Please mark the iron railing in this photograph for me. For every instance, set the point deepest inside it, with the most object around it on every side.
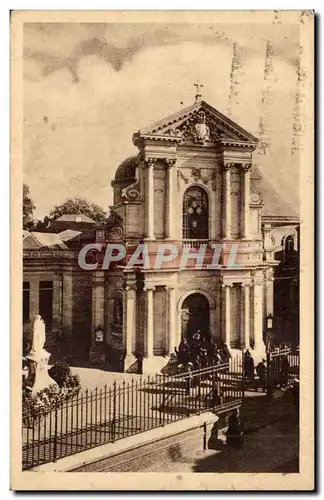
(108, 414)
(282, 365)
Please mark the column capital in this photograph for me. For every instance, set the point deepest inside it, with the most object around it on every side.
(169, 287)
(246, 284)
(266, 227)
(129, 283)
(257, 281)
(149, 161)
(227, 166)
(246, 167)
(226, 284)
(170, 162)
(148, 287)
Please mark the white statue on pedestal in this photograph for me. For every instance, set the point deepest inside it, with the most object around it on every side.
(37, 358)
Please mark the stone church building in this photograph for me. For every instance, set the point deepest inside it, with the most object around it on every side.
(193, 183)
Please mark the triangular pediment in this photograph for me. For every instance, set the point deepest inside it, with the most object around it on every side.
(199, 123)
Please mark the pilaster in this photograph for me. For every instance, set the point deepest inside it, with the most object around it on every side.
(171, 167)
(149, 198)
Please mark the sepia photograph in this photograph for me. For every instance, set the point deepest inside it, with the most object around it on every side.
(162, 250)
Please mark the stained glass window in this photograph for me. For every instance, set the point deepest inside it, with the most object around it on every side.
(195, 214)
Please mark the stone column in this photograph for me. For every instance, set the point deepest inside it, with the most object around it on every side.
(149, 320)
(246, 316)
(258, 313)
(129, 330)
(269, 294)
(172, 318)
(149, 162)
(227, 201)
(246, 200)
(227, 311)
(169, 230)
(98, 300)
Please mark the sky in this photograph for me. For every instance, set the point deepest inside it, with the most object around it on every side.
(89, 87)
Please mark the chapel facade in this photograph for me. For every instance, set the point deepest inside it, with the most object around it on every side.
(192, 184)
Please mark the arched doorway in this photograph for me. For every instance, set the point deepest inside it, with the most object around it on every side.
(195, 315)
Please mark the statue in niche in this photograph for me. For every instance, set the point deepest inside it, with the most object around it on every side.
(97, 355)
(118, 311)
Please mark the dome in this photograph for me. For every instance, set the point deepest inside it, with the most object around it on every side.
(126, 170)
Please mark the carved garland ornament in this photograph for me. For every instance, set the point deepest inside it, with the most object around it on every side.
(196, 175)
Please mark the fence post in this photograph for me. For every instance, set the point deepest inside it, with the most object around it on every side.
(269, 387)
(162, 410)
(113, 423)
(55, 435)
(243, 375)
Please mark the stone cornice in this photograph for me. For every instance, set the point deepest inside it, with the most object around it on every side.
(225, 143)
(139, 139)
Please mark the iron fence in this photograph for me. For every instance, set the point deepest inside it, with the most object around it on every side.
(108, 414)
(283, 365)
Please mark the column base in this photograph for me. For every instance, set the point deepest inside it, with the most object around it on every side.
(131, 364)
(154, 364)
(258, 353)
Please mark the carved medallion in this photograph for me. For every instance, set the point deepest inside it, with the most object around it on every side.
(201, 130)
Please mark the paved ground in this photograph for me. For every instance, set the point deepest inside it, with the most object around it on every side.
(93, 377)
(270, 449)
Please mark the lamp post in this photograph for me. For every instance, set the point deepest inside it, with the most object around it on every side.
(269, 325)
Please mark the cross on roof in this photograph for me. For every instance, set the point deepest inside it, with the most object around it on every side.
(199, 86)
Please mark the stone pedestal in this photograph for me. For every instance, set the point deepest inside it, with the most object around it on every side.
(131, 364)
(38, 377)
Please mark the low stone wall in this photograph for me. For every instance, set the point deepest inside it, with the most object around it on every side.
(138, 452)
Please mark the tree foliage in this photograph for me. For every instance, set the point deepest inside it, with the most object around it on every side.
(28, 209)
(79, 206)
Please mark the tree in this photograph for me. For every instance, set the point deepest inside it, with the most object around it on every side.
(79, 206)
(28, 209)
(43, 226)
